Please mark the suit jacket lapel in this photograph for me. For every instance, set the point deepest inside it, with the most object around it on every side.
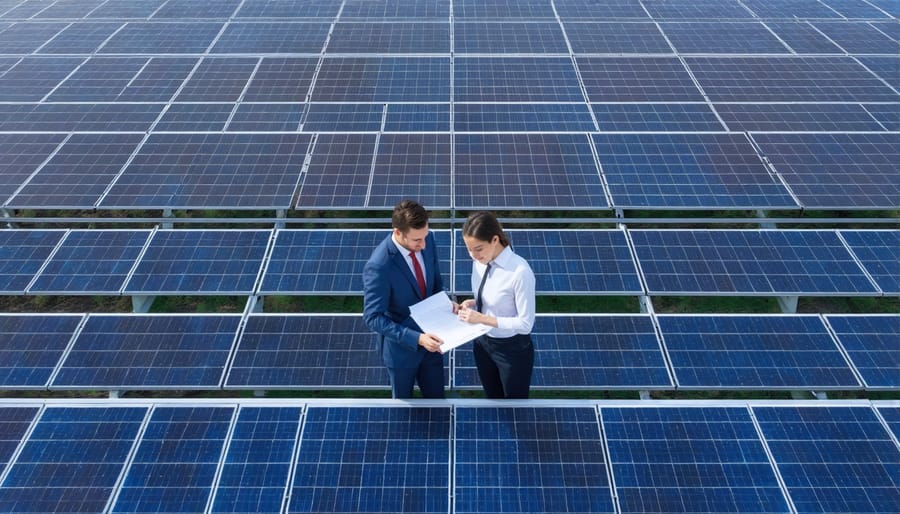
(400, 261)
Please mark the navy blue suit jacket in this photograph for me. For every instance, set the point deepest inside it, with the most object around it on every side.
(390, 288)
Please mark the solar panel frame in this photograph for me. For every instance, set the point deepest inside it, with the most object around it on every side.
(23, 253)
(870, 341)
(31, 347)
(876, 251)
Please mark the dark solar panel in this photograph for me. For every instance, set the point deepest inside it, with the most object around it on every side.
(887, 114)
(508, 37)
(637, 79)
(833, 459)
(66, 117)
(888, 6)
(25, 38)
(190, 117)
(126, 9)
(515, 79)
(463, 9)
(791, 9)
(582, 9)
(266, 117)
(796, 117)
(531, 171)
(754, 351)
(684, 117)
(159, 80)
(389, 9)
(69, 9)
(200, 262)
(748, 262)
(376, 460)
(281, 80)
(858, 37)
(687, 459)
(191, 9)
(411, 166)
(14, 423)
(695, 9)
(722, 38)
(288, 9)
(343, 118)
(886, 69)
(389, 38)
(873, 345)
(522, 118)
(22, 253)
(616, 38)
(271, 38)
(802, 37)
(23, 155)
(856, 8)
(383, 79)
(692, 171)
(339, 171)
(100, 79)
(306, 352)
(892, 416)
(31, 78)
(162, 38)
(218, 79)
(417, 118)
(31, 346)
(877, 251)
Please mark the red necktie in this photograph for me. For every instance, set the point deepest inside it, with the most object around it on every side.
(420, 277)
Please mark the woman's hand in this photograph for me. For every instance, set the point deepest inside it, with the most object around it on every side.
(468, 304)
(470, 315)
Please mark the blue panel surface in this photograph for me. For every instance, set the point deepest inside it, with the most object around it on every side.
(515, 79)
(191, 9)
(159, 80)
(22, 253)
(887, 114)
(126, 9)
(31, 78)
(508, 37)
(14, 422)
(24, 154)
(218, 79)
(31, 347)
(266, 118)
(503, 9)
(162, 38)
(383, 79)
(695, 9)
(833, 459)
(892, 416)
(69, 9)
(25, 38)
(176, 462)
(389, 38)
(417, 118)
(754, 262)
(117, 117)
(306, 352)
(683, 117)
(616, 38)
(802, 37)
(80, 38)
(796, 117)
(100, 79)
(390, 9)
(288, 9)
(754, 351)
(722, 38)
(529, 460)
(791, 9)
(688, 459)
(637, 79)
(256, 469)
(582, 9)
(190, 117)
(280, 79)
(857, 8)
(885, 68)
(339, 172)
(376, 460)
(72, 460)
(271, 38)
(877, 251)
(873, 345)
(343, 118)
(858, 37)
(522, 118)
(411, 166)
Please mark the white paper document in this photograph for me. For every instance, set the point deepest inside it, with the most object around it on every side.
(434, 315)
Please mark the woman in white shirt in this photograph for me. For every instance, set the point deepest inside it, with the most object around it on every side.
(504, 299)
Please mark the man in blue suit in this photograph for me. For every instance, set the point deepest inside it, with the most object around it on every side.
(403, 270)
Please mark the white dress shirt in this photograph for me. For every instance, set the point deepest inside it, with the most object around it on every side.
(406, 257)
(508, 294)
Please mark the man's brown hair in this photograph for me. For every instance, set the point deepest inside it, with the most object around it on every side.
(408, 214)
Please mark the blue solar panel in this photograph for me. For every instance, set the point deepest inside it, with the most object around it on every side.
(748, 262)
(858, 37)
(377, 460)
(530, 171)
(343, 118)
(695, 9)
(218, 79)
(637, 79)
(175, 465)
(339, 171)
(25, 38)
(417, 118)
(688, 171)
(873, 344)
(383, 79)
(797, 117)
(856, 8)
(833, 459)
(31, 347)
(24, 154)
(389, 38)
(877, 251)
(586, 9)
(522, 118)
(72, 460)
(594, 262)
(888, 6)
(508, 37)
(582, 352)
(91, 262)
(722, 38)
(463, 9)
(191, 9)
(22, 253)
(519, 460)
(126, 9)
(887, 114)
(100, 79)
(411, 166)
(256, 469)
(200, 262)
(515, 79)
(318, 352)
(685, 117)
(31, 78)
(69, 9)
(686, 459)
(389, 9)
(266, 118)
(802, 37)
(189, 117)
(791, 9)
(117, 117)
(892, 416)
(754, 351)
(162, 38)
(886, 69)
(288, 9)
(14, 423)
(279, 79)
(159, 80)
(837, 171)
(616, 38)
(271, 38)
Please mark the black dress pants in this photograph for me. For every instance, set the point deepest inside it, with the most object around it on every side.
(505, 365)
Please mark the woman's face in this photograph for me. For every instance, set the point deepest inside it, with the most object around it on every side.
(483, 251)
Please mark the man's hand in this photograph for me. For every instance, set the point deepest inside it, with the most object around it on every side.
(430, 342)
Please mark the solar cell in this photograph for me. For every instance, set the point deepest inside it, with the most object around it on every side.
(128, 351)
(88, 117)
(383, 79)
(802, 37)
(281, 80)
(522, 118)
(873, 344)
(339, 172)
(852, 171)
(683, 117)
(22, 253)
(877, 251)
(385, 460)
(271, 38)
(586, 352)
(256, 469)
(596, 262)
(176, 462)
(791, 9)
(206, 170)
(162, 38)
(288, 9)
(389, 38)
(693, 171)
(31, 346)
(69, 9)
(100, 79)
(31, 78)
(616, 38)
(885, 67)
(126, 9)
(23, 154)
(187, 117)
(200, 261)
(833, 459)
(343, 118)
(531, 171)
(411, 166)
(583, 9)
(695, 9)
(855, 8)
(515, 79)
(519, 460)
(417, 118)
(159, 80)
(858, 37)
(886, 114)
(754, 351)
(722, 38)
(747, 262)
(266, 118)
(892, 416)
(799, 117)
(303, 352)
(508, 37)
(463, 9)
(390, 9)
(218, 79)
(26, 37)
(14, 422)
(91, 262)
(687, 459)
(191, 9)
(637, 79)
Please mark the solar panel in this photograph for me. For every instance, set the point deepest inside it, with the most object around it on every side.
(584, 9)
(109, 117)
(411, 166)
(31, 346)
(754, 352)
(128, 351)
(637, 79)
(266, 118)
(885, 68)
(200, 261)
(530, 171)
(126, 9)
(522, 118)
(684, 117)
(72, 460)
(616, 38)
(288, 9)
(747, 262)
(833, 459)
(385, 460)
(189, 117)
(218, 79)
(303, 352)
(855, 8)
(69, 9)
(520, 460)
(14, 423)
(515, 79)
(30, 79)
(281, 80)
(190, 9)
(688, 459)
(586, 352)
(837, 171)
(100, 79)
(383, 79)
(802, 37)
(24, 154)
(343, 118)
(159, 79)
(596, 262)
(797, 117)
(877, 251)
(162, 38)
(722, 38)
(858, 38)
(390, 9)
(892, 416)
(489, 9)
(258, 463)
(207, 170)
(693, 171)
(176, 462)
(887, 6)
(695, 9)
(271, 38)
(389, 38)
(871, 342)
(791, 9)
(886, 114)
(417, 118)
(25, 38)
(22, 253)
(508, 37)
(91, 262)
(339, 171)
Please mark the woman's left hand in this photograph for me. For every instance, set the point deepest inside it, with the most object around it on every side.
(470, 315)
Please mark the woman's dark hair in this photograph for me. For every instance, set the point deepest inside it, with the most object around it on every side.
(409, 214)
(483, 226)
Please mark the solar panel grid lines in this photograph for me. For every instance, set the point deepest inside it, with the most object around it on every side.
(411, 166)
(27, 153)
(876, 251)
(24, 253)
(889, 412)
(800, 117)
(869, 341)
(32, 346)
(15, 425)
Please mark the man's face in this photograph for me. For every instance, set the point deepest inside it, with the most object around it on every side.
(414, 238)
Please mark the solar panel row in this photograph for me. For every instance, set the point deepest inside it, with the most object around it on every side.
(583, 457)
(595, 262)
(322, 351)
